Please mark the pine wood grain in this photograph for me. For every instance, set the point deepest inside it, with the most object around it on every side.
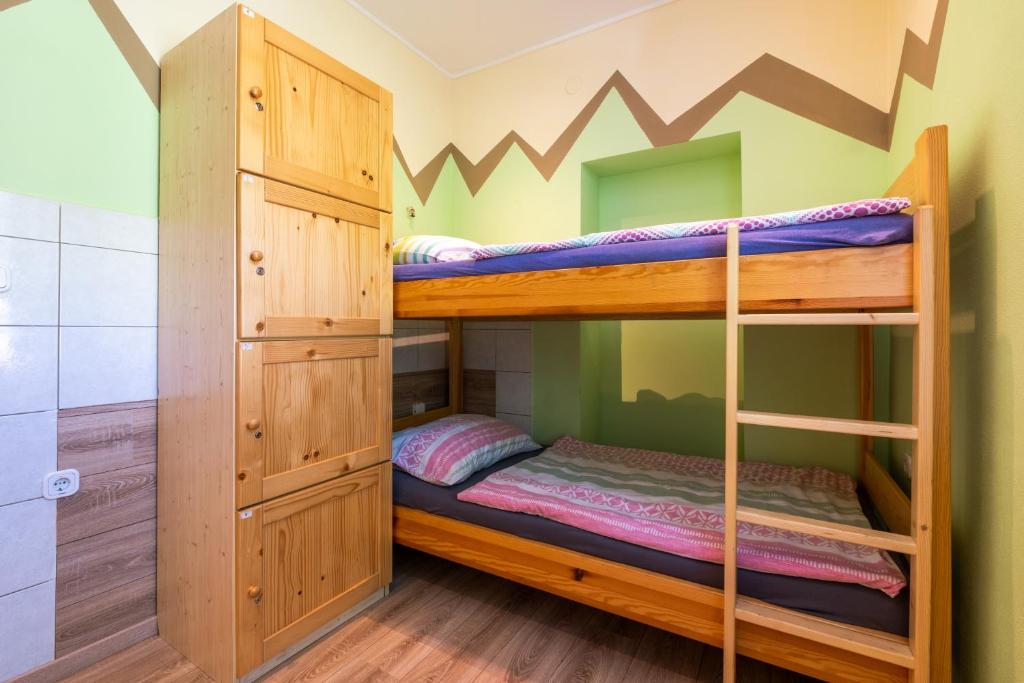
(309, 264)
(830, 279)
(197, 323)
(445, 623)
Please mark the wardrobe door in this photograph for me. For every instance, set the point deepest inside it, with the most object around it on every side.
(308, 120)
(309, 264)
(309, 411)
(306, 559)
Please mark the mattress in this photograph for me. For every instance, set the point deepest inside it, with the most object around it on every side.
(843, 602)
(868, 231)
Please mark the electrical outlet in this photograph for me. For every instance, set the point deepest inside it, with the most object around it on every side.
(908, 465)
(60, 484)
(419, 407)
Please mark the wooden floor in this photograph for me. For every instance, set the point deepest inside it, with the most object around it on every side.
(444, 622)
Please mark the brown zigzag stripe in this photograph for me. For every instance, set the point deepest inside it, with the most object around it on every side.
(767, 78)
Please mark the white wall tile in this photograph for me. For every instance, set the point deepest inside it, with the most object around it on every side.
(107, 287)
(28, 452)
(112, 229)
(28, 369)
(30, 535)
(107, 365)
(478, 349)
(404, 357)
(524, 422)
(512, 392)
(27, 629)
(432, 356)
(31, 272)
(514, 350)
(31, 217)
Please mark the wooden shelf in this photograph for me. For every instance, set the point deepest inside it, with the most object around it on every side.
(836, 425)
(875, 644)
(838, 532)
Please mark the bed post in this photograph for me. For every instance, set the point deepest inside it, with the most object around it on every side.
(455, 364)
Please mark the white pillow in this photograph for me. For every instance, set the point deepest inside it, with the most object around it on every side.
(432, 249)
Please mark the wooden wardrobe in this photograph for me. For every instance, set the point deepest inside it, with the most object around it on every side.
(274, 475)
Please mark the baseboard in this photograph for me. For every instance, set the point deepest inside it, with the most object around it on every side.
(73, 662)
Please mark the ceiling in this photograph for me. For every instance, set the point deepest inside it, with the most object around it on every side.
(462, 36)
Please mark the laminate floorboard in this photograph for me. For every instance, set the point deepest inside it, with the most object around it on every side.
(444, 623)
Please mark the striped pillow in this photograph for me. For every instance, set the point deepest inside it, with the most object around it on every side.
(432, 249)
(451, 449)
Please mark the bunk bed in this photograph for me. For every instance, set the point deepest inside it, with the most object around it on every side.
(901, 282)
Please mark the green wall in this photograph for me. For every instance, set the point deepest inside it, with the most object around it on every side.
(659, 384)
(787, 162)
(978, 93)
(75, 124)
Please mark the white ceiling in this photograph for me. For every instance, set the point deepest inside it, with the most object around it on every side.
(462, 36)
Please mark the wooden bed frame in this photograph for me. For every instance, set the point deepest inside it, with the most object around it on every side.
(876, 279)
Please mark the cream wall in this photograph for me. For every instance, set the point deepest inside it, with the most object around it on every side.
(423, 105)
(674, 55)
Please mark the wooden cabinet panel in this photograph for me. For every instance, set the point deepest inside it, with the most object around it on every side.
(309, 411)
(308, 120)
(306, 558)
(309, 264)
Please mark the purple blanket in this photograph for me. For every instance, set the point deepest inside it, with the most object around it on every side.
(868, 231)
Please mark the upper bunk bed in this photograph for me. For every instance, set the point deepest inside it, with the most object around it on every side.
(824, 267)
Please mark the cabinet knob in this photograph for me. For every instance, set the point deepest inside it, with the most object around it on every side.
(256, 256)
(255, 92)
(255, 593)
(252, 424)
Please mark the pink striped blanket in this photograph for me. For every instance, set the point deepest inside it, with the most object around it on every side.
(673, 503)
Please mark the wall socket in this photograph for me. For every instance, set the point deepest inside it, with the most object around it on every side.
(60, 484)
(908, 464)
(419, 407)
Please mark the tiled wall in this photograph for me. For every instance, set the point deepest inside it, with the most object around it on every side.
(77, 329)
(502, 353)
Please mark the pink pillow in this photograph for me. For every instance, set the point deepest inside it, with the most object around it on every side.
(451, 449)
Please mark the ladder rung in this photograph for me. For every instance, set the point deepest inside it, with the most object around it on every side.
(838, 532)
(828, 319)
(868, 642)
(838, 425)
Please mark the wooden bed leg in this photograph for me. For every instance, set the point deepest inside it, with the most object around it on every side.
(731, 454)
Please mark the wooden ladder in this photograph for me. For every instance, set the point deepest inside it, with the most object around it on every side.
(910, 652)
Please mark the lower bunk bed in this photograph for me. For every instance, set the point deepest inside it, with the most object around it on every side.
(675, 593)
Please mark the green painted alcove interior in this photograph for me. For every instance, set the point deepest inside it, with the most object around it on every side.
(657, 384)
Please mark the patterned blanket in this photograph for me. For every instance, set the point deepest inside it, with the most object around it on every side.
(673, 503)
(820, 214)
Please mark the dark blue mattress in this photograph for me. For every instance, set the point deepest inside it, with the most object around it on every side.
(845, 602)
(868, 231)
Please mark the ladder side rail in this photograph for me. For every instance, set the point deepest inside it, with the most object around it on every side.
(923, 447)
(731, 450)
